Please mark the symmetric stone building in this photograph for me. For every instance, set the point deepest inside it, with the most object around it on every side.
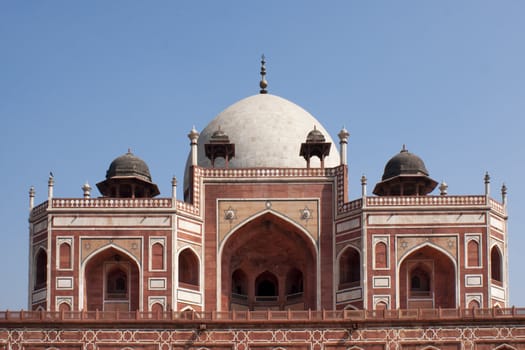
(266, 226)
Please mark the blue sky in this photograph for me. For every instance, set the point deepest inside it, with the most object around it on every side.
(81, 82)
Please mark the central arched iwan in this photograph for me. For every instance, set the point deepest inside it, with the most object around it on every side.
(268, 263)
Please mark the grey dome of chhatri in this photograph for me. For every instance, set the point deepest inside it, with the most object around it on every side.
(128, 165)
(404, 163)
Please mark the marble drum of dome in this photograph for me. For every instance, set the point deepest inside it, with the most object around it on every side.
(267, 131)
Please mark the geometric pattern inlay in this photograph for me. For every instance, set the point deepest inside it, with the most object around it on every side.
(316, 337)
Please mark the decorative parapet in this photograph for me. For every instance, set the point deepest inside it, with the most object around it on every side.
(268, 172)
(497, 207)
(423, 201)
(38, 210)
(443, 201)
(111, 203)
(351, 206)
(187, 208)
(495, 315)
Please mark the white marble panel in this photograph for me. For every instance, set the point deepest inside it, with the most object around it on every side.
(157, 283)
(474, 280)
(349, 295)
(109, 221)
(347, 225)
(190, 226)
(189, 296)
(497, 292)
(381, 282)
(419, 219)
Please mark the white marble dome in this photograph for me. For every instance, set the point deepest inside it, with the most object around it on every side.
(267, 131)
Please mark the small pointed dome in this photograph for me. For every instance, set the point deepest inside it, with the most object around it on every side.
(128, 176)
(315, 136)
(219, 136)
(405, 175)
(128, 165)
(404, 163)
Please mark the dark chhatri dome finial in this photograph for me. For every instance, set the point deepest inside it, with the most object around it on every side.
(404, 163)
(263, 84)
(405, 175)
(315, 136)
(128, 176)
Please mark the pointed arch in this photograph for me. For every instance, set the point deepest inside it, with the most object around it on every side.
(420, 270)
(496, 264)
(263, 213)
(157, 308)
(188, 263)
(240, 284)
(349, 263)
(250, 247)
(351, 307)
(380, 306)
(64, 307)
(427, 244)
(473, 253)
(157, 256)
(64, 252)
(110, 246)
(266, 286)
(111, 279)
(381, 255)
(40, 263)
(473, 304)
(294, 282)
(505, 347)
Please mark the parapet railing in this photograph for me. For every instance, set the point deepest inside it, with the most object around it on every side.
(426, 200)
(263, 316)
(111, 203)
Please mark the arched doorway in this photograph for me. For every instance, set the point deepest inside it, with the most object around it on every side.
(40, 278)
(349, 268)
(111, 282)
(268, 263)
(427, 279)
(496, 271)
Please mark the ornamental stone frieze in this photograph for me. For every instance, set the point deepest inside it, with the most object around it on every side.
(406, 244)
(232, 214)
(352, 336)
(132, 246)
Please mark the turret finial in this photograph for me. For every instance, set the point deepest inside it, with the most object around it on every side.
(87, 189)
(504, 194)
(443, 188)
(263, 84)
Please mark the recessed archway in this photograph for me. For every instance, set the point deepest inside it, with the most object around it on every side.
(112, 281)
(268, 263)
(427, 279)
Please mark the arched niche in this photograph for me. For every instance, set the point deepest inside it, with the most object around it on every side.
(273, 245)
(427, 279)
(111, 281)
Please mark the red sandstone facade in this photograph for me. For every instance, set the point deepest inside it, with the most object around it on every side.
(291, 228)
(258, 251)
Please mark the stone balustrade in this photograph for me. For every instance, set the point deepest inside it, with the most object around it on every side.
(111, 203)
(427, 315)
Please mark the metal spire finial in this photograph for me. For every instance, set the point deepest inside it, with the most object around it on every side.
(263, 84)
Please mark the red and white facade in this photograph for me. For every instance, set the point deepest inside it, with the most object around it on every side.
(256, 234)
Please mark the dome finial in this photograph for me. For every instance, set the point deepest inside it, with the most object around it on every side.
(263, 84)
(404, 149)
